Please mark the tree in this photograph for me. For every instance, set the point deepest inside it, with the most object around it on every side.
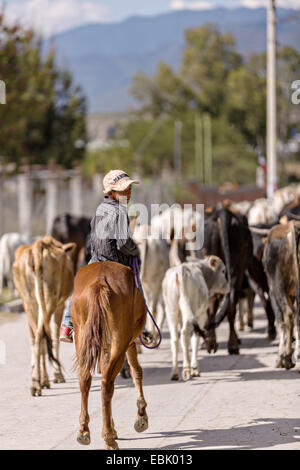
(44, 118)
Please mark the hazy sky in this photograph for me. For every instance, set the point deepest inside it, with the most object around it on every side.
(52, 16)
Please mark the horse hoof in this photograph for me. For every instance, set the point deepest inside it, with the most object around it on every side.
(84, 438)
(241, 328)
(175, 376)
(195, 372)
(111, 445)
(141, 424)
(58, 378)
(186, 374)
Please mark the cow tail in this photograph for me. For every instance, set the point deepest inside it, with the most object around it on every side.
(43, 329)
(94, 340)
(224, 221)
(184, 305)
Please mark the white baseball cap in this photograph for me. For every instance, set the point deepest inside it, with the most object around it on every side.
(117, 180)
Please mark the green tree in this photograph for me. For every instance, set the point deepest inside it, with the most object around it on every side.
(44, 118)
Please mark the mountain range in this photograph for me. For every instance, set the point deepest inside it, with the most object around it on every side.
(104, 57)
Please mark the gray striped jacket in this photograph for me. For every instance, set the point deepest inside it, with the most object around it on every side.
(110, 235)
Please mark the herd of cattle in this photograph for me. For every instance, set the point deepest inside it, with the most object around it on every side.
(249, 249)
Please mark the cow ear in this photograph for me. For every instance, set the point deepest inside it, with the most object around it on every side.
(213, 262)
(69, 248)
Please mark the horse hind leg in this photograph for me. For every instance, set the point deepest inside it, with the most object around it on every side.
(83, 435)
(109, 375)
(141, 422)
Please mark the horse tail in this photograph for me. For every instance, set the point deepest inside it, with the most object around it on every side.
(94, 337)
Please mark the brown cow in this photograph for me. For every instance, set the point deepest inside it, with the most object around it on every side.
(43, 276)
(281, 261)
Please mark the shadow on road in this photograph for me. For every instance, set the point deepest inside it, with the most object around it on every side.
(261, 433)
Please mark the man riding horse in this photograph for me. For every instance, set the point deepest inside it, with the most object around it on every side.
(110, 237)
(107, 310)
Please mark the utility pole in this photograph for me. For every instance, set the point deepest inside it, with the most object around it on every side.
(271, 102)
(207, 148)
(199, 163)
(177, 148)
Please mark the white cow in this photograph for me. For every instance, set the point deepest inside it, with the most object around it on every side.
(260, 213)
(9, 242)
(155, 262)
(175, 222)
(187, 289)
(284, 196)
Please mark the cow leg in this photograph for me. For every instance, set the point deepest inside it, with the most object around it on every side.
(185, 335)
(172, 315)
(44, 375)
(160, 314)
(282, 335)
(211, 339)
(250, 306)
(241, 315)
(297, 347)
(271, 321)
(288, 353)
(31, 340)
(195, 346)
(233, 342)
(58, 315)
(125, 372)
(108, 379)
(141, 423)
(83, 435)
(36, 389)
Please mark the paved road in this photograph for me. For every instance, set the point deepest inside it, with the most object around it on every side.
(239, 402)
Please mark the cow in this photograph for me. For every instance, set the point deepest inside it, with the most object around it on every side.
(187, 289)
(283, 197)
(257, 280)
(9, 242)
(154, 255)
(281, 262)
(43, 275)
(227, 236)
(175, 223)
(71, 229)
(261, 213)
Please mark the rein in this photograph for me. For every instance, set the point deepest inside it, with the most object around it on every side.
(136, 266)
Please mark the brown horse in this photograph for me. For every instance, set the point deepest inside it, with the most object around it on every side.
(108, 314)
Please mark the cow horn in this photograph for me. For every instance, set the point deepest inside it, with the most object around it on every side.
(260, 231)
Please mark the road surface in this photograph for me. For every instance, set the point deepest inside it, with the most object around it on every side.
(239, 402)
